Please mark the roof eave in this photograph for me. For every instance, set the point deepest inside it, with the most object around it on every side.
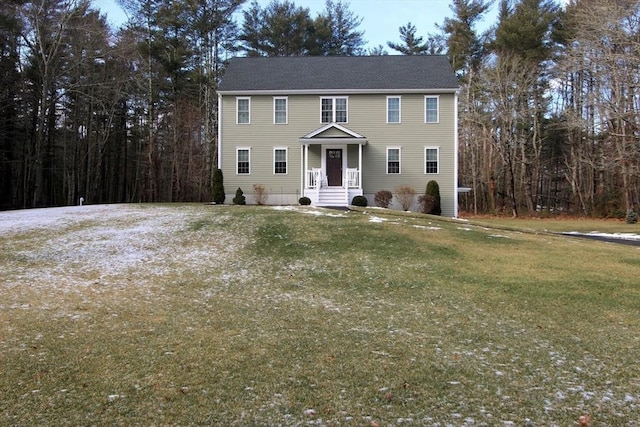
(337, 91)
(334, 140)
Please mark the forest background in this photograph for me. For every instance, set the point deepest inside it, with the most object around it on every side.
(549, 102)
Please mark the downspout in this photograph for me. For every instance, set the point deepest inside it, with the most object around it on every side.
(219, 131)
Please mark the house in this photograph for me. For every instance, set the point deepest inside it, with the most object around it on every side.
(331, 128)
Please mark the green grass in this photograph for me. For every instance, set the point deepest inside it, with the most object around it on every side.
(256, 316)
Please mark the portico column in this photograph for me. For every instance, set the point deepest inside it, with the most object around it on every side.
(302, 178)
(360, 166)
(306, 165)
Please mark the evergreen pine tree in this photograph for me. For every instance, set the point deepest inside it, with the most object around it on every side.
(433, 190)
(218, 187)
(413, 45)
(240, 199)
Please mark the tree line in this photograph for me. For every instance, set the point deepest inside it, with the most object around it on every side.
(548, 109)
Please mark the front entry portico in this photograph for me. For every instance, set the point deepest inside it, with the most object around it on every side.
(332, 165)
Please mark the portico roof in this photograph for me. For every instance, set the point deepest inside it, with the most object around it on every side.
(333, 133)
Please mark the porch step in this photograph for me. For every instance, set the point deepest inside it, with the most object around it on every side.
(336, 196)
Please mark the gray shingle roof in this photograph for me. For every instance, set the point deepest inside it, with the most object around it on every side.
(357, 73)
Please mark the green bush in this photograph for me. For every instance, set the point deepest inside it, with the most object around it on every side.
(239, 199)
(304, 201)
(217, 187)
(431, 200)
(632, 217)
(360, 201)
(383, 198)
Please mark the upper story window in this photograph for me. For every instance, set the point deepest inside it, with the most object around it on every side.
(431, 160)
(333, 110)
(243, 108)
(280, 110)
(393, 109)
(280, 161)
(243, 161)
(431, 113)
(393, 160)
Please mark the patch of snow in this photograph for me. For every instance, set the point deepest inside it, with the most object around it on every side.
(377, 219)
(622, 236)
(93, 247)
(424, 227)
(310, 211)
(24, 220)
(324, 213)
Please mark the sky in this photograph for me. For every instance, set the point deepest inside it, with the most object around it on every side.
(381, 19)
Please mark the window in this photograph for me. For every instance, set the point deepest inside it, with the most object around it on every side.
(280, 161)
(393, 109)
(333, 110)
(431, 155)
(393, 160)
(243, 161)
(243, 107)
(280, 110)
(431, 109)
(326, 107)
(341, 110)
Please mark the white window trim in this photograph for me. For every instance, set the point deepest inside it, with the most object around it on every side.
(238, 98)
(286, 159)
(238, 149)
(286, 110)
(437, 98)
(399, 109)
(386, 166)
(333, 107)
(437, 159)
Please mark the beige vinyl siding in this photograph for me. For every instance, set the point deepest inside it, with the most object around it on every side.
(262, 136)
(315, 156)
(352, 156)
(332, 133)
(368, 117)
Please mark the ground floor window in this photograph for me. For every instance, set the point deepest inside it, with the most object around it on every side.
(431, 156)
(393, 160)
(243, 161)
(280, 161)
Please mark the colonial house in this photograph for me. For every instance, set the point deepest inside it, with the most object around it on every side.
(331, 128)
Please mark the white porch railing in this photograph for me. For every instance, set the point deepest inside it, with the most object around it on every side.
(352, 178)
(316, 180)
(322, 194)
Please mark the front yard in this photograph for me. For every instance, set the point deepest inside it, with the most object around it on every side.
(225, 315)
